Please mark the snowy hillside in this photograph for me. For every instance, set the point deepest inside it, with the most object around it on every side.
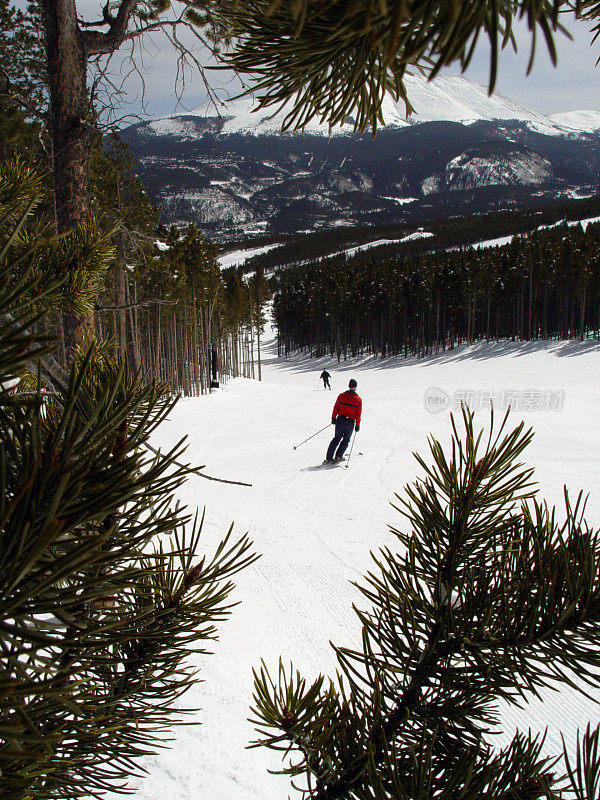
(456, 99)
(243, 116)
(578, 120)
(316, 528)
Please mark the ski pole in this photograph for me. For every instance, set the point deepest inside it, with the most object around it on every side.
(350, 453)
(311, 437)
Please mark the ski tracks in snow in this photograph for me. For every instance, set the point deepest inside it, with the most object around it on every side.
(316, 529)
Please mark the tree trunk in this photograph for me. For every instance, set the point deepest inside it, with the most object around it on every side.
(71, 132)
(258, 341)
(134, 349)
(121, 293)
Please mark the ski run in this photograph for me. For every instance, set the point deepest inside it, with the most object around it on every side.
(315, 527)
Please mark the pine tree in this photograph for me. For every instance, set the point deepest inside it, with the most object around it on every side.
(104, 591)
(22, 83)
(486, 599)
(120, 200)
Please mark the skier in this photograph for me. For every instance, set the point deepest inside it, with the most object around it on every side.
(346, 418)
(324, 376)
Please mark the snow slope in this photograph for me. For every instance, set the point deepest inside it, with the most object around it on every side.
(315, 527)
(502, 240)
(578, 120)
(237, 257)
(457, 99)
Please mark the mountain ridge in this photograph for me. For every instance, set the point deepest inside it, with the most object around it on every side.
(238, 174)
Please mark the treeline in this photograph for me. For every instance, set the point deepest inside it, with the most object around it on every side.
(543, 286)
(158, 294)
(179, 318)
(453, 232)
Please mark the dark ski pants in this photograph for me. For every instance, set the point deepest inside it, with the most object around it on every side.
(343, 431)
(326, 383)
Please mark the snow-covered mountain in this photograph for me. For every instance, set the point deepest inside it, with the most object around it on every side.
(232, 170)
(446, 99)
(456, 99)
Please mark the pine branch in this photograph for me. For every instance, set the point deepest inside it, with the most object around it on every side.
(95, 628)
(331, 60)
(488, 600)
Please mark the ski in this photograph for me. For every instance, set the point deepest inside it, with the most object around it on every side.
(337, 463)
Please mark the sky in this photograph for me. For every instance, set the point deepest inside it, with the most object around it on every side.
(572, 86)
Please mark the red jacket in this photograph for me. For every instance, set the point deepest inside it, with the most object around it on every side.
(349, 405)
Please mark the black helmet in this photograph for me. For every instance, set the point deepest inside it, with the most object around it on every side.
(352, 384)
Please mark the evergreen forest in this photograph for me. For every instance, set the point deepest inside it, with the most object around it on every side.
(541, 286)
(445, 233)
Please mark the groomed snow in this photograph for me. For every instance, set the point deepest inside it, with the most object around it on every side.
(501, 240)
(315, 527)
(352, 251)
(379, 242)
(238, 257)
(570, 223)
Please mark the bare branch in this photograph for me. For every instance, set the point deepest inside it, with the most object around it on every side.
(53, 374)
(197, 470)
(107, 19)
(110, 86)
(20, 99)
(141, 304)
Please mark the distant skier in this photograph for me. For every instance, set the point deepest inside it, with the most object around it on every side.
(324, 376)
(346, 418)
